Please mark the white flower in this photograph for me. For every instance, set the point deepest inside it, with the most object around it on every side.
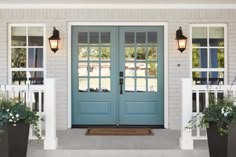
(17, 115)
(226, 110)
(8, 110)
(10, 120)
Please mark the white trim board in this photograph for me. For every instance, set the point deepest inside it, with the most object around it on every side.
(114, 6)
(165, 24)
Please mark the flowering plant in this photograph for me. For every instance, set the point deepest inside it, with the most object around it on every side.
(12, 111)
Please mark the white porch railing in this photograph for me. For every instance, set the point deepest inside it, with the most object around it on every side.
(194, 99)
(41, 99)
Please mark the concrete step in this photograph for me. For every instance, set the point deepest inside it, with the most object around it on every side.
(118, 153)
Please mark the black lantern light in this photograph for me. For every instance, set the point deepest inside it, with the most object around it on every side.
(54, 40)
(181, 40)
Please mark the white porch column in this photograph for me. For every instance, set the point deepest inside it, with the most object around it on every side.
(186, 140)
(50, 141)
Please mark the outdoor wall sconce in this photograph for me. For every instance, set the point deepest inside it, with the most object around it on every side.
(54, 40)
(181, 40)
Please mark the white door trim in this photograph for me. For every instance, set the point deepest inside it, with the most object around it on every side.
(165, 24)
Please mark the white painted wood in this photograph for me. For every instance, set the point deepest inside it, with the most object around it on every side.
(186, 141)
(50, 141)
(166, 80)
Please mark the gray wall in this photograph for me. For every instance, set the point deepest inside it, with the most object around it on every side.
(57, 63)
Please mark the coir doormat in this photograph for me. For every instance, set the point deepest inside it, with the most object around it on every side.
(119, 132)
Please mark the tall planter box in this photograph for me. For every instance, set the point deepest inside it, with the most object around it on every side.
(14, 140)
(221, 145)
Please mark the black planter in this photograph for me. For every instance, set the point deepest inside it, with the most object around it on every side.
(14, 140)
(221, 145)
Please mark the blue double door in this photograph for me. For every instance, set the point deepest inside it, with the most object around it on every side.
(117, 75)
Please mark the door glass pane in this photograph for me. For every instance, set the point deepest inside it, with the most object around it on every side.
(105, 85)
(83, 53)
(141, 85)
(152, 53)
(199, 78)
(199, 36)
(93, 37)
(18, 36)
(35, 36)
(18, 58)
(152, 84)
(35, 59)
(83, 84)
(83, 38)
(129, 69)
(141, 37)
(105, 53)
(141, 53)
(105, 69)
(94, 69)
(152, 37)
(199, 58)
(83, 69)
(105, 37)
(129, 53)
(216, 36)
(141, 69)
(94, 53)
(129, 85)
(216, 58)
(129, 37)
(152, 69)
(94, 85)
(19, 77)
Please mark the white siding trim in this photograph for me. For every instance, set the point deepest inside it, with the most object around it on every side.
(116, 6)
(165, 24)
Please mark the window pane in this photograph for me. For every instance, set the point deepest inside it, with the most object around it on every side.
(129, 53)
(105, 37)
(216, 36)
(83, 53)
(129, 37)
(94, 53)
(199, 36)
(105, 85)
(83, 69)
(199, 58)
(94, 37)
(216, 77)
(18, 58)
(83, 84)
(94, 69)
(36, 77)
(199, 78)
(152, 85)
(129, 85)
(141, 84)
(152, 53)
(105, 69)
(19, 77)
(141, 53)
(105, 53)
(129, 69)
(35, 36)
(35, 59)
(18, 36)
(140, 37)
(83, 38)
(152, 37)
(216, 58)
(94, 85)
(152, 69)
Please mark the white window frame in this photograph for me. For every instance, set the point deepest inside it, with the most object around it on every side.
(27, 25)
(225, 69)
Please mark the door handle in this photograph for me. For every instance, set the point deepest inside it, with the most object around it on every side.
(121, 85)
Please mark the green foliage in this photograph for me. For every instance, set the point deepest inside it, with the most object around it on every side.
(13, 112)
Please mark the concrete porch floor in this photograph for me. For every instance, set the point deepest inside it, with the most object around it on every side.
(74, 142)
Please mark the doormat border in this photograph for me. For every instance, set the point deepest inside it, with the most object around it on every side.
(150, 132)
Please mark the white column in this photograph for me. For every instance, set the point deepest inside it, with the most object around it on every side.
(186, 140)
(50, 141)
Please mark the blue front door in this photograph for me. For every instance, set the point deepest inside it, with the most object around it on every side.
(117, 75)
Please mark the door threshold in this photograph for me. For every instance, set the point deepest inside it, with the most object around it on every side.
(119, 126)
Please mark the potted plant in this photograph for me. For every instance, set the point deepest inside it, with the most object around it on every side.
(15, 119)
(220, 120)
